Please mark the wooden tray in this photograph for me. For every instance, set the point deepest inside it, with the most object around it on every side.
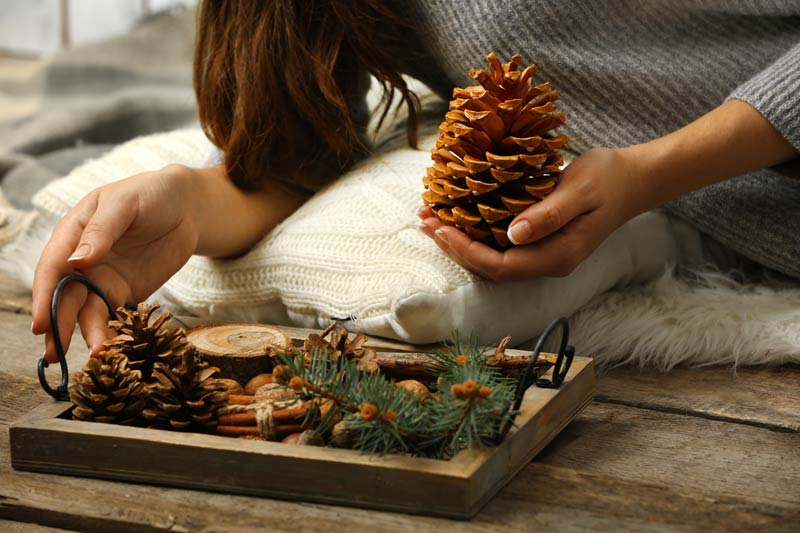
(48, 440)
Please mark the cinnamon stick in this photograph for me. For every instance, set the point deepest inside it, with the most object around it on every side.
(248, 418)
(240, 399)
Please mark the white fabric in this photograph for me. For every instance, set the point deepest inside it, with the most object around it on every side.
(354, 251)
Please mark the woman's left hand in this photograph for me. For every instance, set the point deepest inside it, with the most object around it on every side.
(595, 195)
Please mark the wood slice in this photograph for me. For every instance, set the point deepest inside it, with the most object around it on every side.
(240, 351)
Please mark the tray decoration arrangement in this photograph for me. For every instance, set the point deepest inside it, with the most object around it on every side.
(323, 416)
(333, 390)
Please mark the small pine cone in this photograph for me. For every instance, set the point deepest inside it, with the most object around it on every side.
(185, 396)
(106, 390)
(144, 343)
(495, 155)
(338, 344)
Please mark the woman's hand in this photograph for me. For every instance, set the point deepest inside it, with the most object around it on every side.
(605, 187)
(131, 236)
(128, 237)
(593, 198)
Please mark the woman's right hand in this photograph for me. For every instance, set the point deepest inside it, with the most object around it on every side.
(129, 237)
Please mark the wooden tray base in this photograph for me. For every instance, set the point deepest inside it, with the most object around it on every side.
(47, 440)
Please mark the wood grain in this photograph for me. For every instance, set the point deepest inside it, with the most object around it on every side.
(695, 455)
(764, 397)
(13, 296)
(240, 351)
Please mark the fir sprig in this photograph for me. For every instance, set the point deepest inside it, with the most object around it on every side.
(471, 406)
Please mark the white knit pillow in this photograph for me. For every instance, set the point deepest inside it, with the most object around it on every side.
(354, 252)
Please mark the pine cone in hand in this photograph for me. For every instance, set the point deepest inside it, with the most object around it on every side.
(495, 156)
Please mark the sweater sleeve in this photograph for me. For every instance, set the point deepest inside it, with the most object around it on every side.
(775, 93)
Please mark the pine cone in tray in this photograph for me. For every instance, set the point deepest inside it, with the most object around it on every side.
(495, 156)
(185, 396)
(107, 390)
(338, 344)
(144, 343)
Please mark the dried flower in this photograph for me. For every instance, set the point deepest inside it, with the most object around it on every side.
(368, 412)
(296, 383)
(470, 388)
(390, 415)
(281, 373)
(457, 390)
(461, 360)
(484, 392)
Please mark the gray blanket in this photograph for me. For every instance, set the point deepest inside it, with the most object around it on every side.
(85, 100)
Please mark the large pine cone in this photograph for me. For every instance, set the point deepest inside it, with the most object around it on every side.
(185, 396)
(143, 343)
(494, 157)
(106, 390)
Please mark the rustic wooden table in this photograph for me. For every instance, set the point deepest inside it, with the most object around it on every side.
(695, 449)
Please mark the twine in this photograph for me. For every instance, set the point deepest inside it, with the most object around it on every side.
(264, 409)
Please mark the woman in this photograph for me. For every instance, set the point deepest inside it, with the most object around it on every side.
(662, 100)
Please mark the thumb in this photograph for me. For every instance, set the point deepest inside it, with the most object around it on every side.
(546, 217)
(109, 222)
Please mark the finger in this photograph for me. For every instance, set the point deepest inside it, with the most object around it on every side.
(425, 211)
(111, 219)
(472, 255)
(53, 266)
(93, 320)
(554, 256)
(72, 299)
(548, 216)
(429, 225)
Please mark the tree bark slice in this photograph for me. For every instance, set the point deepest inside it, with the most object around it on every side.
(240, 351)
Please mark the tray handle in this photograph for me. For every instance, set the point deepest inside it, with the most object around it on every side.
(566, 353)
(61, 393)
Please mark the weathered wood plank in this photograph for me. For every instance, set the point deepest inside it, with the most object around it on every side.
(691, 454)
(13, 296)
(542, 496)
(6, 526)
(20, 350)
(765, 397)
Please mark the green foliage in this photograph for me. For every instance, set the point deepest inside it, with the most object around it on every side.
(470, 407)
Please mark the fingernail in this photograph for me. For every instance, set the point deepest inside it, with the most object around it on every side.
(44, 354)
(442, 236)
(32, 328)
(519, 232)
(423, 226)
(81, 252)
(421, 210)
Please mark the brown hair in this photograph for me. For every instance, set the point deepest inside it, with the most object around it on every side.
(277, 81)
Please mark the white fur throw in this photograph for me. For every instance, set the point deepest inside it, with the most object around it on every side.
(324, 262)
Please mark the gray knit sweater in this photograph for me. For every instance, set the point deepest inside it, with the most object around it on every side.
(632, 71)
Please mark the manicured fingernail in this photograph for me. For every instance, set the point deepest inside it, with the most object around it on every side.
(81, 252)
(519, 232)
(421, 210)
(442, 236)
(32, 328)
